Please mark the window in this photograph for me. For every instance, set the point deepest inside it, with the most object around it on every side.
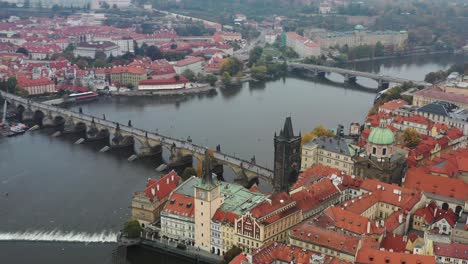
(374, 150)
(384, 151)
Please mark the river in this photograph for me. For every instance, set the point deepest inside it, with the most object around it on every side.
(52, 189)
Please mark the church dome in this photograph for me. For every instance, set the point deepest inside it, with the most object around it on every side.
(381, 135)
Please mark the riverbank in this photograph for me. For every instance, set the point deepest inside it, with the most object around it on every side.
(398, 56)
(196, 90)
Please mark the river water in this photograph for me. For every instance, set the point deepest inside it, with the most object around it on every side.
(51, 189)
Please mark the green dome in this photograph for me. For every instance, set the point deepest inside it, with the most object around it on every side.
(381, 135)
(359, 27)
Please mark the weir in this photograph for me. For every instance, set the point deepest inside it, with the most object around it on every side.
(60, 236)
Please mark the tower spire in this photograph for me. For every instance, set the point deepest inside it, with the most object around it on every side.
(207, 176)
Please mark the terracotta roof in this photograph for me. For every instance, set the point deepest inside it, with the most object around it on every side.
(327, 238)
(313, 174)
(427, 212)
(181, 205)
(420, 179)
(452, 250)
(127, 69)
(439, 94)
(347, 220)
(224, 217)
(371, 256)
(188, 61)
(239, 259)
(162, 187)
(274, 252)
(272, 206)
(448, 215)
(394, 242)
(394, 104)
(24, 82)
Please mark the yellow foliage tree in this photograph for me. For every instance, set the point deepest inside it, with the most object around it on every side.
(411, 138)
(318, 131)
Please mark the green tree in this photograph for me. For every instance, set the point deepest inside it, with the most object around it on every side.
(11, 85)
(132, 229)
(153, 52)
(259, 72)
(231, 65)
(105, 5)
(379, 49)
(254, 56)
(100, 55)
(22, 50)
(55, 8)
(211, 79)
(27, 4)
(188, 172)
(189, 74)
(411, 138)
(231, 254)
(226, 79)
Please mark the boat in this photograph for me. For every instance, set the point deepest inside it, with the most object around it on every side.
(18, 129)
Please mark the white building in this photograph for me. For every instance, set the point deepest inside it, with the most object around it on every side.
(194, 64)
(89, 49)
(303, 46)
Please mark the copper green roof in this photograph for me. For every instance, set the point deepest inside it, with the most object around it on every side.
(381, 135)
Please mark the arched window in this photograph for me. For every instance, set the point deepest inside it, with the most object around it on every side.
(374, 150)
(384, 151)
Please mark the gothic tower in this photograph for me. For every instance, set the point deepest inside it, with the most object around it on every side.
(207, 200)
(287, 157)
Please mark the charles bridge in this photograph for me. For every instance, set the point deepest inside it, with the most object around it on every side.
(149, 143)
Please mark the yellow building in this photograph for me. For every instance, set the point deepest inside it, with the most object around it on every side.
(147, 205)
(127, 76)
(329, 151)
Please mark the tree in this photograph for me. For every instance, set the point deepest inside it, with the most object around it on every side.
(231, 254)
(27, 4)
(154, 53)
(411, 138)
(231, 65)
(11, 85)
(55, 8)
(318, 131)
(100, 55)
(259, 72)
(189, 74)
(254, 56)
(132, 229)
(226, 79)
(188, 172)
(114, 6)
(105, 5)
(211, 79)
(22, 50)
(379, 49)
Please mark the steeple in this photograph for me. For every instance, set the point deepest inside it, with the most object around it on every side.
(207, 176)
(287, 131)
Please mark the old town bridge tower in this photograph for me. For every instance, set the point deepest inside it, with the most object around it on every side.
(287, 157)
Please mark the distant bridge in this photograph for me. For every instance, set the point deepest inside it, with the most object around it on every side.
(148, 140)
(351, 75)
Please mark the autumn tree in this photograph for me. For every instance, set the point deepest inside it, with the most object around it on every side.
(411, 138)
(318, 131)
(231, 254)
(259, 72)
(231, 65)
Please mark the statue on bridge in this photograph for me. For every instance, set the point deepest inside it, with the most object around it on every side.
(252, 160)
(218, 148)
(80, 110)
(130, 123)
(104, 116)
(189, 139)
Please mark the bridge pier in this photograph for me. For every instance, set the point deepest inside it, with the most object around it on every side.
(349, 78)
(119, 141)
(383, 84)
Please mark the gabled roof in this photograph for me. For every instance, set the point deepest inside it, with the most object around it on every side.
(181, 205)
(452, 250)
(162, 187)
(374, 256)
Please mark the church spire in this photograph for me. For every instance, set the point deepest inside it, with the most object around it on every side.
(207, 176)
(288, 128)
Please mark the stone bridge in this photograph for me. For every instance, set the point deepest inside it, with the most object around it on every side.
(351, 75)
(148, 141)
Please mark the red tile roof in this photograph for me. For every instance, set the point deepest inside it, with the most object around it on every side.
(394, 242)
(173, 80)
(437, 93)
(452, 250)
(162, 187)
(239, 259)
(347, 220)
(427, 212)
(313, 174)
(420, 179)
(394, 104)
(24, 82)
(269, 210)
(181, 205)
(326, 238)
(373, 256)
(127, 69)
(188, 61)
(224, 217)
